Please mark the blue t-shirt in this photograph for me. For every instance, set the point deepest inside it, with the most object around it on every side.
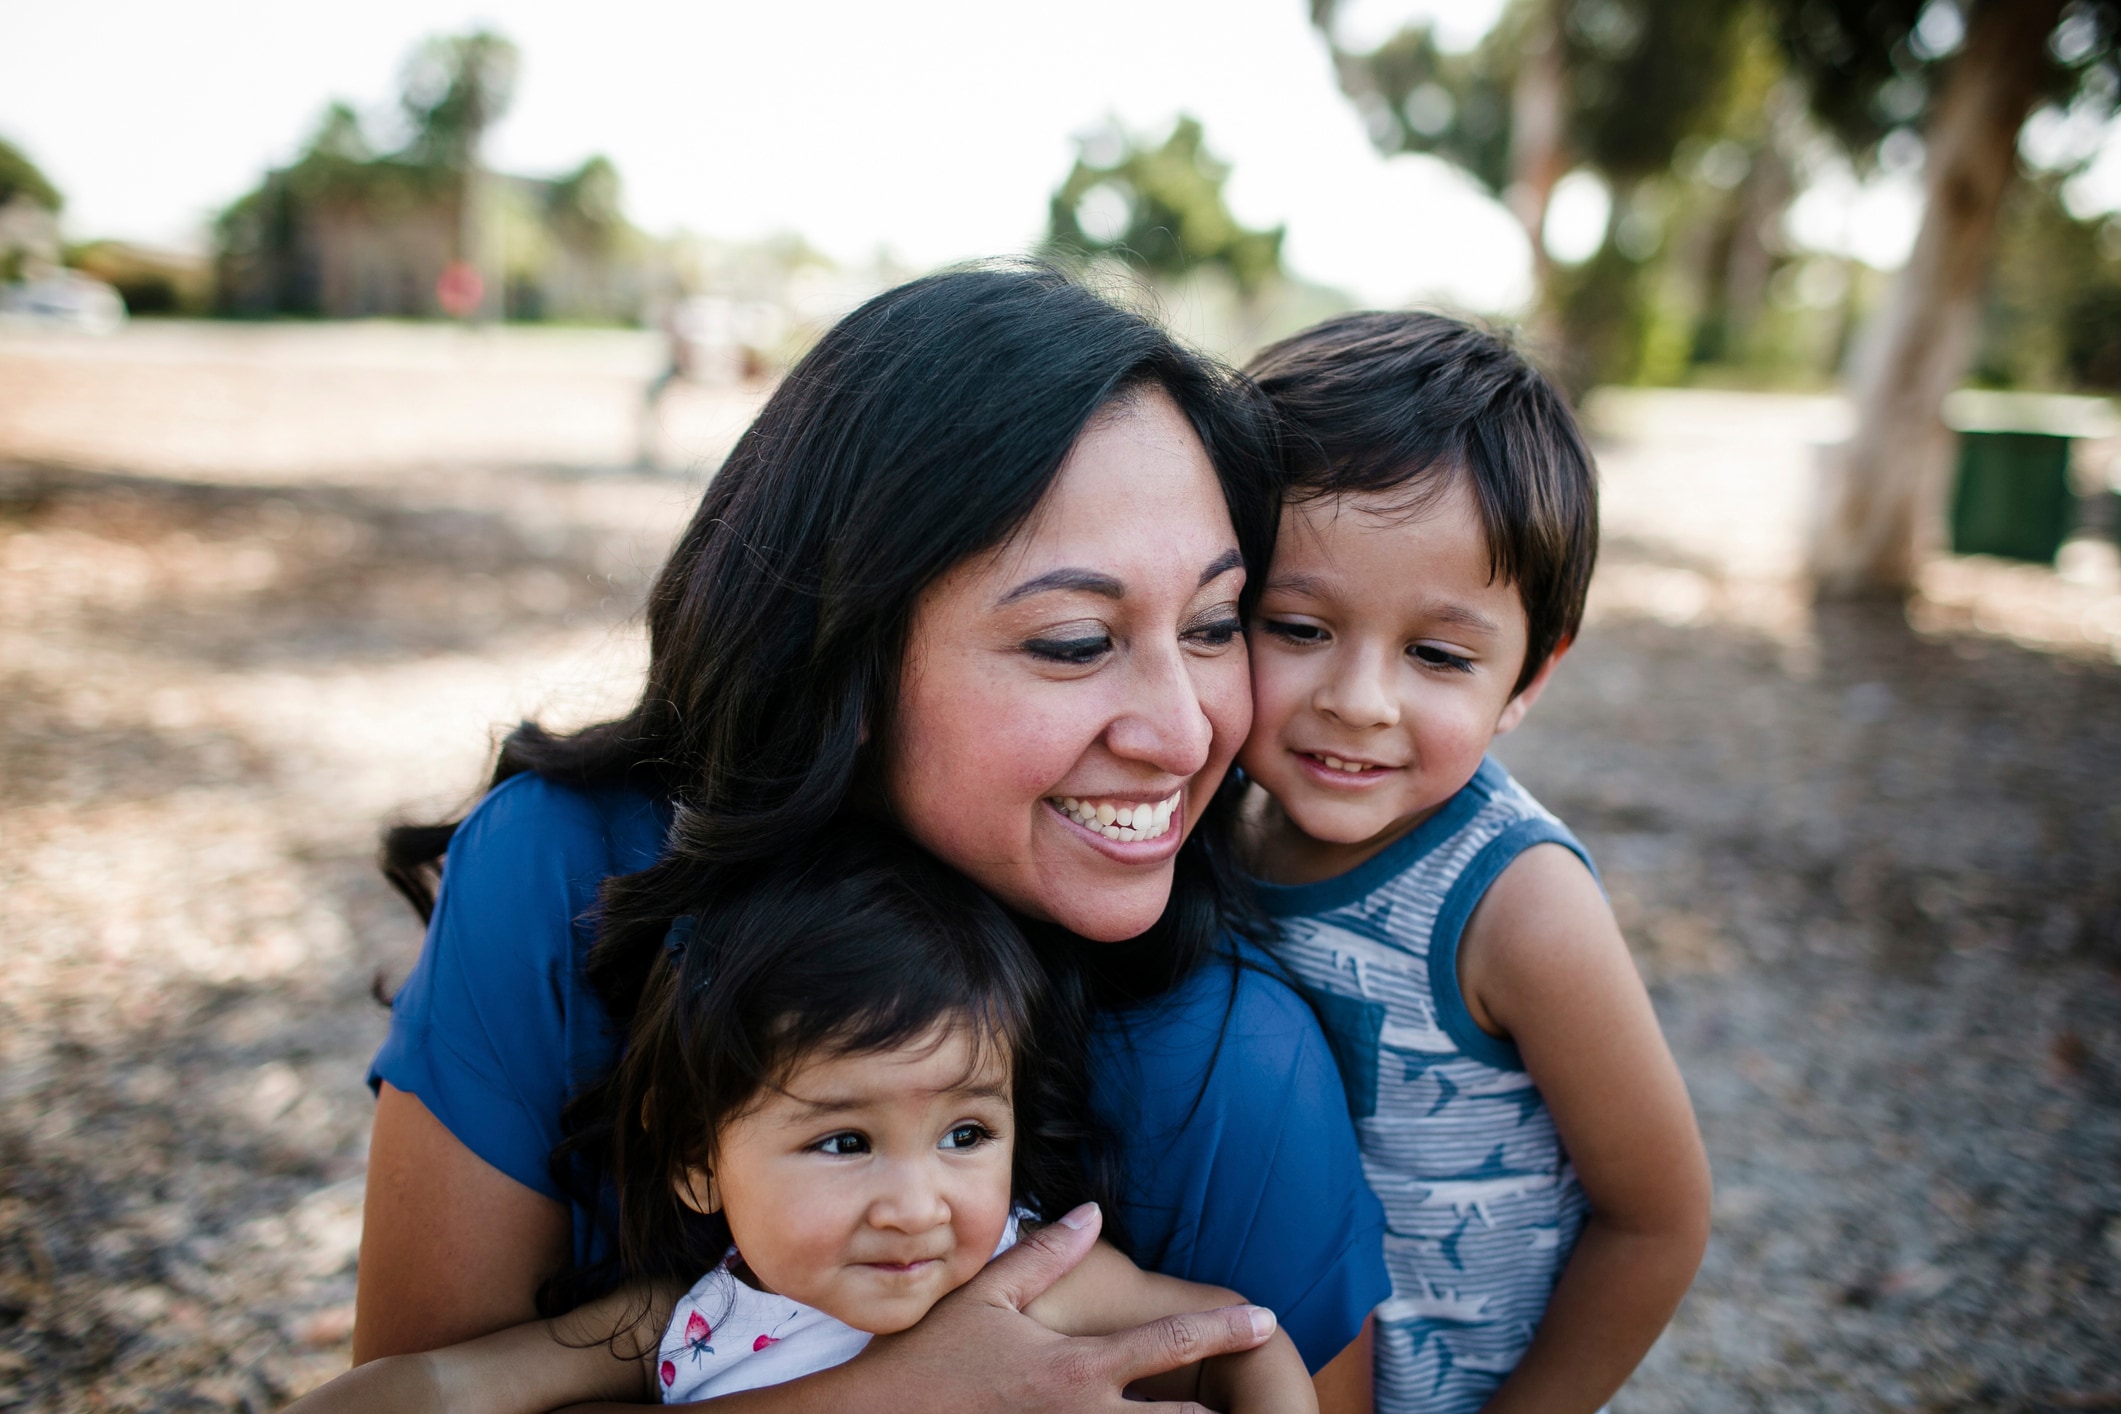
(1240, 1158)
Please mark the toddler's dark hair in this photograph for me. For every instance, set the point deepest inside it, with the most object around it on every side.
(860, 942)
(1399, 403)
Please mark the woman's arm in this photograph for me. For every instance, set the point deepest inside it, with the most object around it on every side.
(451, 1247)
(978, 1351)
(1106, 1292)
(599, 1351)
(1544, 962)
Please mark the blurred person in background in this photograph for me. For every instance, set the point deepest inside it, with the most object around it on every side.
(979, 568)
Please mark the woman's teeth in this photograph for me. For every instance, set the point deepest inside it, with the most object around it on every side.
(1119, 822)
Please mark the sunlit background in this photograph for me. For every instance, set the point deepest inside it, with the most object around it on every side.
(358, 363)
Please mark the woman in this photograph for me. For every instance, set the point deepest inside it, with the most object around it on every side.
(979, 565)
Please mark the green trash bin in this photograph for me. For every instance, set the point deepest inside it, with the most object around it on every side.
(2012, 494)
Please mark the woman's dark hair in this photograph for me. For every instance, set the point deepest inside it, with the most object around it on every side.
(856, 943)
(1402, 402)
(922, 429)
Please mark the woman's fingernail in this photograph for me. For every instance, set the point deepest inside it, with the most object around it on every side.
(1080, 1218)
(1262, 1322)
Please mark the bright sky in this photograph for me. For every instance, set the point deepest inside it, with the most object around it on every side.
(936, 128)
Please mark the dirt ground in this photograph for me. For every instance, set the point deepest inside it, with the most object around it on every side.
(1868, 858)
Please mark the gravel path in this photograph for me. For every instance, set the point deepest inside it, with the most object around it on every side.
(1870, 872)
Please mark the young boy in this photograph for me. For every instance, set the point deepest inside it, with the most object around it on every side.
(1521, 1119)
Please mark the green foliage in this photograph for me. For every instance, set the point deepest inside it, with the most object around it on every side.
(1174, 217)
(586, 204)
(455, 88)
(1639, 76)
(2053, 318)
(1418, 98)
(19, 177)
(1642, 75)
(150, 282)
(1629, 83)
(1871, 67)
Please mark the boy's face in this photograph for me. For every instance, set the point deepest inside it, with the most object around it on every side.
(1383, 658)
(871, 1185)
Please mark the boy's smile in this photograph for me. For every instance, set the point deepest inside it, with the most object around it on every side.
(1384, 652)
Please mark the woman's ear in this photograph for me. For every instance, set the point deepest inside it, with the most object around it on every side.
(697, 1190)
(1513, 712)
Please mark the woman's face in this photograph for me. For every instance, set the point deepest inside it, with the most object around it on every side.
(1072, 699)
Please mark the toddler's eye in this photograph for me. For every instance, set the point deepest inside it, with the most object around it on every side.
(844, 1143)
(1434, 657)
(967, 1136)
(1295, 632)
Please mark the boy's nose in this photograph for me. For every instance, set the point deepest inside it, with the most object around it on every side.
(1359, 694)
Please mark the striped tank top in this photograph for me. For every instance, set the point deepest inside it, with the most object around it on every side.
(1481, 1205)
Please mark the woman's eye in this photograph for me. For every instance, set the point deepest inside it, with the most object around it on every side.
(1217, 633)
(1431, 656)
(1294, 632)
(846, 1143)
(1075, 651)
(967, 1136)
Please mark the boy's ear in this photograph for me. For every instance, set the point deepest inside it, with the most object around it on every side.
(1514, 711)
(698, 1191)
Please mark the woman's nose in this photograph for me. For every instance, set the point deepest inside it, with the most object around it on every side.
(1162, 723)
(1357, 692)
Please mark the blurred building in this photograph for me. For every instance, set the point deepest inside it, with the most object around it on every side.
(343, 235)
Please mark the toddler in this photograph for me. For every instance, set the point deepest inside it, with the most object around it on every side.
(829, 1103)
(1521, 1120)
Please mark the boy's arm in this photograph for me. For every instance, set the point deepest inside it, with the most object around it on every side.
(1543, 962)
(1108, 1293)
(526, 1369)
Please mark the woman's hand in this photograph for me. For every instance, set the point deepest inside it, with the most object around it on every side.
(978, 1351)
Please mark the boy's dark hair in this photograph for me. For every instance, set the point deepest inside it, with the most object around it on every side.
(859, 942)
(1400, 402)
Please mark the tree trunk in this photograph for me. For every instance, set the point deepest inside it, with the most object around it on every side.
(1538, 157)
(1882, 512)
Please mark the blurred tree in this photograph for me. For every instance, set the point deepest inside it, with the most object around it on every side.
(20, 179)
(586, 204)
(456, 87)
(1951, 83)
(1607, 86)
(1159, 209)
(29, 215)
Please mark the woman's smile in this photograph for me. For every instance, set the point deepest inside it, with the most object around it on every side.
(1121, 818)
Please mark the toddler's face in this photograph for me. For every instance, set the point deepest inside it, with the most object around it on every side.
(870, 1186)
(1383, 657)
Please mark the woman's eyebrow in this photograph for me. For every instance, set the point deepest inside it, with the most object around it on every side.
(1230, 559)
(1089, 581)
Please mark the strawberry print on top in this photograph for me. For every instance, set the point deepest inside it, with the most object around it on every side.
(757, 1338)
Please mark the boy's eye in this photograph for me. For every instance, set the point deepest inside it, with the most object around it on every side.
(1295, 632)
(1434, 657)
(967, 1136)
(1073, 651)
(847, 1142)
